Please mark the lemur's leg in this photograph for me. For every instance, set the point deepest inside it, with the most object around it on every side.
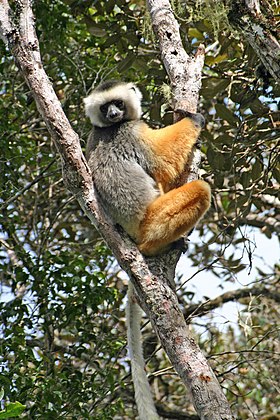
(172, 215)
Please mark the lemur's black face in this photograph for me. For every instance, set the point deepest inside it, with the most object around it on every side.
(113, 103)
(113, 111)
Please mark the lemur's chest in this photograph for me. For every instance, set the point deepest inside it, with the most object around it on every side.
(119, 147)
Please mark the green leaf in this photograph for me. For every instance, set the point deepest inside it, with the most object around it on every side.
(245, 178)
(214, 86)
(12, 410)
(276, 174)
(215, 158)
(126, 63)
(226, 114)
(195, 33)
(210, 61)
(257, 170)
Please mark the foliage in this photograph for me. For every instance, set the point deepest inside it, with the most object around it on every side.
(11, 410)
(62, 321)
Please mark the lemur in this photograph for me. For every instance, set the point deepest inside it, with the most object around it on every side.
(135, 169)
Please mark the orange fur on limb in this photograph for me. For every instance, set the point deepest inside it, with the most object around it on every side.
(172, 215)
(171, 147)
(176, 211)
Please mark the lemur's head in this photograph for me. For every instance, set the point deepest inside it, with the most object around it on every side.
(113, 102)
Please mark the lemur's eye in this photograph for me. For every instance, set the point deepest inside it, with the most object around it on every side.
(104, 108)
(119, 104)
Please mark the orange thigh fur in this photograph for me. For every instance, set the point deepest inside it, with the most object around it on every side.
(172, 215)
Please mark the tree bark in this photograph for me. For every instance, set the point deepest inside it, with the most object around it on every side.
(185, 78)
(202, 308)
(183, 71)
(261, 33)
(150, 277)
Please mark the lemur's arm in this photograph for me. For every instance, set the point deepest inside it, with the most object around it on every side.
(171, 146)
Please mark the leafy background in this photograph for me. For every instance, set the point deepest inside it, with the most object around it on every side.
(63, 333)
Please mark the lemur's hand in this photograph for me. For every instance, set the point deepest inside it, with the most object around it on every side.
(198, 119)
